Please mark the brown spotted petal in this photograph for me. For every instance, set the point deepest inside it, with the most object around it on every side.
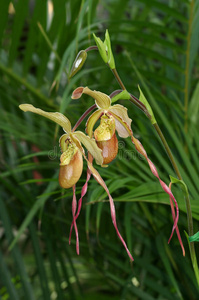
(69, 150)
(106, 129)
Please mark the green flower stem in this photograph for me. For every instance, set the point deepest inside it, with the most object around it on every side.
(170, 155)
(118, 78)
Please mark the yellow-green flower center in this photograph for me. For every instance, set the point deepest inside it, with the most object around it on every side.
(69, 149)
(106, 129)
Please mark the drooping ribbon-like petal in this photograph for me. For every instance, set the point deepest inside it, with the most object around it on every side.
(99, 179)
(74, 207)
(177, 230)
(83, 193)
(142, 151)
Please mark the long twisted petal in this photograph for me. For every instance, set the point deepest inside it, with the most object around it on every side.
(142, 151)
(173, 215)
(83, 193)
(99, 179)
(74, 207)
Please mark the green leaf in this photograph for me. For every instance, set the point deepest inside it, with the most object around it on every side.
(37, 205)
(181, 182)
(6, 279)
(194, 238)
(194, 106)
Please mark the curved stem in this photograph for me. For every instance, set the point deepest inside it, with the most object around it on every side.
(91, 48)
(85, 114)
(118, 78)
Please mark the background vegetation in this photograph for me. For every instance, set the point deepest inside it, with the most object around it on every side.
(155, 44)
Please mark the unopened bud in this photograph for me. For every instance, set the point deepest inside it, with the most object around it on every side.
(78, 63)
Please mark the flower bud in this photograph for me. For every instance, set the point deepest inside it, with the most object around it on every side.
(78, 63)
(106, 138)
(71, 163)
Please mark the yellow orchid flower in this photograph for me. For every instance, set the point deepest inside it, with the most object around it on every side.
(71, 161)
(113, 118)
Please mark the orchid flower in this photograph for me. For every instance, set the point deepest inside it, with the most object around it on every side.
(71, 164)
(116, 118)
(71, 161)
(112, 118)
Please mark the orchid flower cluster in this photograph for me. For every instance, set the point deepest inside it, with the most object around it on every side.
(101, 142)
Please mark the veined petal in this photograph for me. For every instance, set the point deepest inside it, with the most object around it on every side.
(121, 112)
(68, 148)
(123, 129)
(76, 142)
(62, 142)
(92, 120)
(99, 179)
(102, 100)
(90, 145)
(56, 117)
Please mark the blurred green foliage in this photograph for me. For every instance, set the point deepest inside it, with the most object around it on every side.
(155, 44)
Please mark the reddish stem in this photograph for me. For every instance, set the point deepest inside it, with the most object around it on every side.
(85, 114)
